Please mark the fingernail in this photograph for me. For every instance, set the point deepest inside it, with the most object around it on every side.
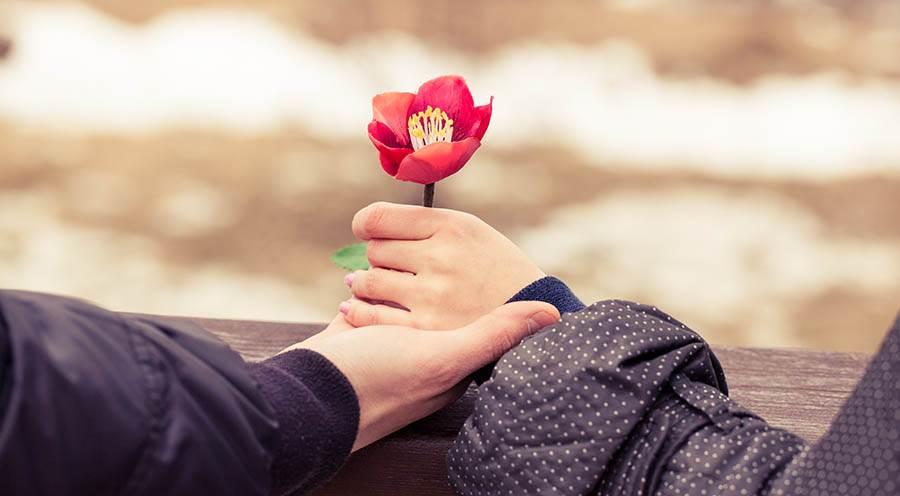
(539, 320)
(344, 307)
(348, 279)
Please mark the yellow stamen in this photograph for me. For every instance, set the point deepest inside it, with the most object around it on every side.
(431, 125)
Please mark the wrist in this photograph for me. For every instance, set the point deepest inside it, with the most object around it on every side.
(550, 290)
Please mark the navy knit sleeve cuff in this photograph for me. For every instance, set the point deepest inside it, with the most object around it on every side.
(549, 290)
(318, 417)
(553, 291)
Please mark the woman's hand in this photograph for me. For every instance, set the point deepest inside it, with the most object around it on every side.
(443, 267)
(401, 374)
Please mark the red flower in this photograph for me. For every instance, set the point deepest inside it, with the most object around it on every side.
(428, 136)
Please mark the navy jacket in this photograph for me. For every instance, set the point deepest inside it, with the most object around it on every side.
(96, 403)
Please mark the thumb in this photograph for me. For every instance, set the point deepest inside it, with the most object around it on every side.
(491, 336)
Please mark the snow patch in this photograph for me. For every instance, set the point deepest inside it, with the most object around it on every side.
(76, 70)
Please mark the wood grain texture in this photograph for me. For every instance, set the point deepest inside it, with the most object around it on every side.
(799, 390)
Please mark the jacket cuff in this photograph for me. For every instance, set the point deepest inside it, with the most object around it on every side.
(553, 291)
(318, 417)
(547, 289)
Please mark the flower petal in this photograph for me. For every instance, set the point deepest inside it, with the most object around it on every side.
(450, 94)
(481, 121)
(392, 110)
(436, 161)
(390, 153)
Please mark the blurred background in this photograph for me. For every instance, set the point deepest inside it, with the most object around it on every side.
(736, 163)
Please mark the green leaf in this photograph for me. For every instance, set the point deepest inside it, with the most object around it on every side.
(351, 257)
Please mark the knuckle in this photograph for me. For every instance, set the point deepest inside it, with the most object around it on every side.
(365, 316)
(506, 339)
(372, 248)
(431, 300)
(359, 315)
(463, 225)
(501, 336)
(440, 259)
(352, 315)
(370, 283)
(437, 293)
(358, 278)
(358, 284)
(373, 218)
(367, 220)
(371, 319)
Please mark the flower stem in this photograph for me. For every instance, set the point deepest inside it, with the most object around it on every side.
(428, 197)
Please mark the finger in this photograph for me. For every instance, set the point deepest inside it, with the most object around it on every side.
(382, 220)
(382, 284)
(360, 314)
(488, 338)
(396, 255)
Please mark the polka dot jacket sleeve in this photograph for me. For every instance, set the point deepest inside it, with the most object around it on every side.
(860, 453)
(617, 399)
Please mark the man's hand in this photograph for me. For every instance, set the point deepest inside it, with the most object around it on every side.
(442, 267)
(401, 374)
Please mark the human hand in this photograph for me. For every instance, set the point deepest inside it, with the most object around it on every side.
(445, 268)
(402, 374)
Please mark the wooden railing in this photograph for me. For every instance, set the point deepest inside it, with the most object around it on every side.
(796, 389)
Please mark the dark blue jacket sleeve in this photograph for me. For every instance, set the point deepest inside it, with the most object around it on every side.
(93, 402)
(553, 291)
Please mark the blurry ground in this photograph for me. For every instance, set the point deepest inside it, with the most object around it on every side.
(735, 163)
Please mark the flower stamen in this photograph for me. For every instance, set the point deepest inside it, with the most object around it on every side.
(431, 125)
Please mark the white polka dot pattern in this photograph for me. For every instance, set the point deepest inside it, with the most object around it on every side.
(621, 399)
(560, 405)
(680, 450)
(860, 453)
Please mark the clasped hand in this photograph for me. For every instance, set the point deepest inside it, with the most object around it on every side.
(442, 268)
(427, 314)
